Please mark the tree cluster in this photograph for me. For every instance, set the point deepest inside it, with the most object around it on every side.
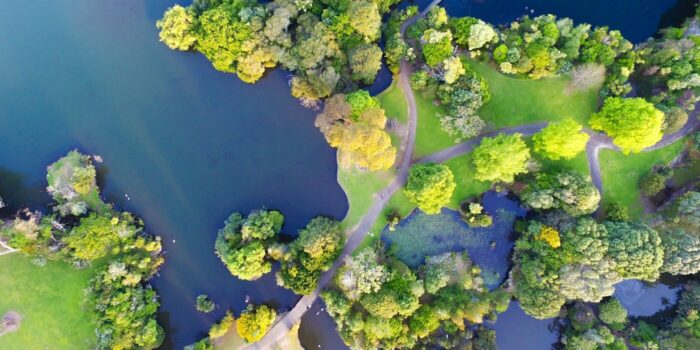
(582, 263)
(355, 125)
(382, 303)
(568, 191)
(329, 45)
(430, 186)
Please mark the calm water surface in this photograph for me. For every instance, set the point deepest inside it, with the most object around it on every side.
(188, 144)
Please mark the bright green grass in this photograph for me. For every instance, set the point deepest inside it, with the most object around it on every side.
(430, 137)
(360, 188)
(467, 187)
(394, 103)
(524, 101)
(49, 299)
(623, 173)
(578, 164)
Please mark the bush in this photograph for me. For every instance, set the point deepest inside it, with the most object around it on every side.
(204, 304)
(612, 312)
(617, 212)
(219, 329)
(254, 322)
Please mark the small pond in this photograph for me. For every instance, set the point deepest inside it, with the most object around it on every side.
(420, 235)
(643, 300)
(516, 330)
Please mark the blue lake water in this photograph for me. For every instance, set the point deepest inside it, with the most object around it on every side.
(188, 144)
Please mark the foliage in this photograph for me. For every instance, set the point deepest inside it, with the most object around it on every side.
(500, 158)
(612, 312)
(632, 123)
(357, 130)
(96, 236)
(636, 250)
(254, 322)
(242, 243)
(313, 252)
(222, 327)
(204, 304)
(564, 139)
(329, 46)
(551, 236)
(473, 214)
(617, 212)
(73, 185)
(362, 274)
(655, 181)
(177, 28)
(395, 48)
(562, 190)
(430, 186)
(437, 46)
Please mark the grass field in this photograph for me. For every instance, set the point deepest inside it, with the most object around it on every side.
(394, 103)
(622, 174)
(49, 299)
(513, 102)
(523, 101)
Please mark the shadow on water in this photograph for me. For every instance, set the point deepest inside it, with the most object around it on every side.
(17, 194)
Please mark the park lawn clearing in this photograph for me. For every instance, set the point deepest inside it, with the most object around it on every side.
(361, 187)
(623, 173)
(516, 101)
(393, 102)
(467, 186)
(430, 137)
(49, 299)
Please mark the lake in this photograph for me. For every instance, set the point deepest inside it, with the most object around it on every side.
(186, 143)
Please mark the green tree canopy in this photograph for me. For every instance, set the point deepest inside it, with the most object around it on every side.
(430, 186)
(177, 28)
(563, 139)
(562, 190)
(254, 322)
(612, 312)
(500, 158)
(636, 250)
(633, 123)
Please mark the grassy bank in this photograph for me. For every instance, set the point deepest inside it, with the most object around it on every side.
(49, 299)
(622, 174)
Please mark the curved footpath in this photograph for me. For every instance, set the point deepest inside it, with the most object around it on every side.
(281, 328)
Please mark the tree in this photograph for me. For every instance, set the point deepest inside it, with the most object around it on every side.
(177, 28)
(562, 190)
(204, 304)
(357, 131)
(437, 46)
(362, 274)
(243, 242)
(430, 186)
(452, 69)
(365, 61)
(481, 34)
(612, 312)
(314, 251)
(461, 27)
(222, 327)
(632, 123)
(563, 139)
(365, 19)
(97, 235)
(681, 252)
(636, 250)
(254, 322)
(500, 158)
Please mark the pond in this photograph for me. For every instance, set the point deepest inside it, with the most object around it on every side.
(420, 235)
(643, 300)
(186, 143)
(517, 330)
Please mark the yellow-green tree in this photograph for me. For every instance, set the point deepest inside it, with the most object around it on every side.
(430, 186)
(633, 123)
(219, 329)
(500, 158)
(254, 322)
(357, 130)
(177, 28)
(563, 139)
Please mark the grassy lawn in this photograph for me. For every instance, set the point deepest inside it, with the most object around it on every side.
(430, 137)
(523, 101)
(622, 174)
(49, 299)
(394, 103)
(360, 188)
(467, 187)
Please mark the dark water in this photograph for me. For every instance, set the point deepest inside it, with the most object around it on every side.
(186, 143)
(516, 330)
(420, 235)
(636, 19)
